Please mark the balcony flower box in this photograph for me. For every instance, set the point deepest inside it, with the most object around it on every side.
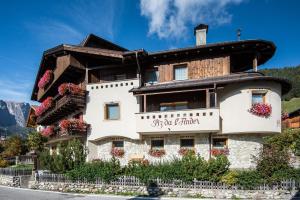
(48, 131)
(183, 151)
(69, 88)
(72, 124)
(219, 151)
(45, 105)
(261, 109)
(157, 152)
(46, 79)
(117, 152)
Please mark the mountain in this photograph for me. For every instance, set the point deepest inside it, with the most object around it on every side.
(13, 117)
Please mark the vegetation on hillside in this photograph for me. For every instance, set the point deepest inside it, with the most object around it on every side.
(290, 73)
(291, 105)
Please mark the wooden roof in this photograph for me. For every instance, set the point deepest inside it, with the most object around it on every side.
(211, 81)
(97, 42)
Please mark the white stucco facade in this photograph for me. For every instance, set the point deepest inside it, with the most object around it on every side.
(231, 119)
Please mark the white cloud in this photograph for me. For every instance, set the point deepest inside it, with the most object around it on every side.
(169, 18)
(15, 90)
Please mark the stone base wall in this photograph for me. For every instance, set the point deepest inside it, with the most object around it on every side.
(242, 148)
(6, 180)
(171, 192)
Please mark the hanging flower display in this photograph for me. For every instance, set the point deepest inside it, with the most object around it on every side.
(48, 131)
(284, 116)
(157, 152)
(117, 152)
(69, 88)
(46, 79)
(221, 151)
(45, 105)
(67, 124)
(185, 151)
(261, 109)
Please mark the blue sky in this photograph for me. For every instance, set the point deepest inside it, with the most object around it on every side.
(30, 27)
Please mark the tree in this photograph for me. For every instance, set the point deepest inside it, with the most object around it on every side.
(35, 141)
(13, 147)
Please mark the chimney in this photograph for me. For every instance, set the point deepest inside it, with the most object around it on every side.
(200, 31)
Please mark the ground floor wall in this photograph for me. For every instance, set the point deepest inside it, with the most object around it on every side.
(241, 148)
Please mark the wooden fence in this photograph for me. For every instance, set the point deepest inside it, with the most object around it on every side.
(133, 181)
(15, 172)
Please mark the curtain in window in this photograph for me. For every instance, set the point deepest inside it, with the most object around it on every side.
(180, 73)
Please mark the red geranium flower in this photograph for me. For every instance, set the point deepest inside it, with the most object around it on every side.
(185, 151)
(261, 109)
(48, 131)
(221, 151)
(157, 152)
(45, 105)
(46, 79)
(117, 152)
(69, 88)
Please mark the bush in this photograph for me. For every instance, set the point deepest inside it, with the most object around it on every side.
(105, 170)
(249, 179)
(271, 159)
(230, 178)
(3, 163)
(288, 174)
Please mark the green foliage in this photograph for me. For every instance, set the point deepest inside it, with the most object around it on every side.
(287, 174)
(290, 73)
(22, 166)
(249, 179)
(291, 105)
(35, 141)
(13, 147)
(3, 163)
(288, 140)
(230, 178)
(71, 155)
(106, 170)
(272, 159)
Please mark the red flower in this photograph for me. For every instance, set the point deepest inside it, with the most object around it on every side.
(67, 124)
(185, 151)
(117, 152)
(48, 131)
(45, 105)
(69, 88)
(261, 109)
(221, 151)
(157, 152)
(46, 79)
(284, 116)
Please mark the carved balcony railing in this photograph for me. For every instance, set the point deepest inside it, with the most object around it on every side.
(63, 106)
(65, 135)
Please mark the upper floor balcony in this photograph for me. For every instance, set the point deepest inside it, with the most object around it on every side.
(62, 106)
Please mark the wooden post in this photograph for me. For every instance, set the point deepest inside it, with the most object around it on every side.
(209, 138)
(255, 63)
(145, 103)
(207, 98)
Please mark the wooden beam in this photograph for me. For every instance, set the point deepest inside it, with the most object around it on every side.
(207, 98)
(174, 91)
(145, 103)
(255, 63)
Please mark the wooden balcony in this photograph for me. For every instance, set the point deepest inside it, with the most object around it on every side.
(67, 69)
(63, 106)
(70, 134)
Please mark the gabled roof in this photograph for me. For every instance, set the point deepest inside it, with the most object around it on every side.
(97, 42)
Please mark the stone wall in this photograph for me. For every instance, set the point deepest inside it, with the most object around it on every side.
(172, 192)
(242, 148)
(6, 180)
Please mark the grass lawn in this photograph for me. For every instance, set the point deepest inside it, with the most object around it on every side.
(291, 105)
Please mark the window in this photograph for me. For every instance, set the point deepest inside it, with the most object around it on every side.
(151, 76)
(157, 144)
(180, 72)
(112, 111)
(212, 99)
(258, 98)
(173, 106)
(118, 144)
(187, 142)
(219, 142)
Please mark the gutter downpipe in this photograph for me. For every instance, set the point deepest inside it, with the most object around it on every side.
(140, 79)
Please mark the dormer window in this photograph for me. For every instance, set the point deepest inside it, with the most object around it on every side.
(180, 72)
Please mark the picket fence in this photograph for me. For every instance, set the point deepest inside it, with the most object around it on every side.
(133, 181)
(15, 172)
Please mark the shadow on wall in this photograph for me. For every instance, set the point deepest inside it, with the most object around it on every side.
(154, 192)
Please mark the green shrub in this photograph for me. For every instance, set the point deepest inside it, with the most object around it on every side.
(230, 178)
(45, 159)
(288, 174)
(249, 179)
(106, 170)
(217, 168)
(3, 163)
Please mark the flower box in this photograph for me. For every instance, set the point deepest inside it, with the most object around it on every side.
(46, 79)
(261, 109)
(69, 88)
(117, 152)
(48, 131)
(157, 152)
(183, 151)
(45, 105)
(72, 124)
(219, 151)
